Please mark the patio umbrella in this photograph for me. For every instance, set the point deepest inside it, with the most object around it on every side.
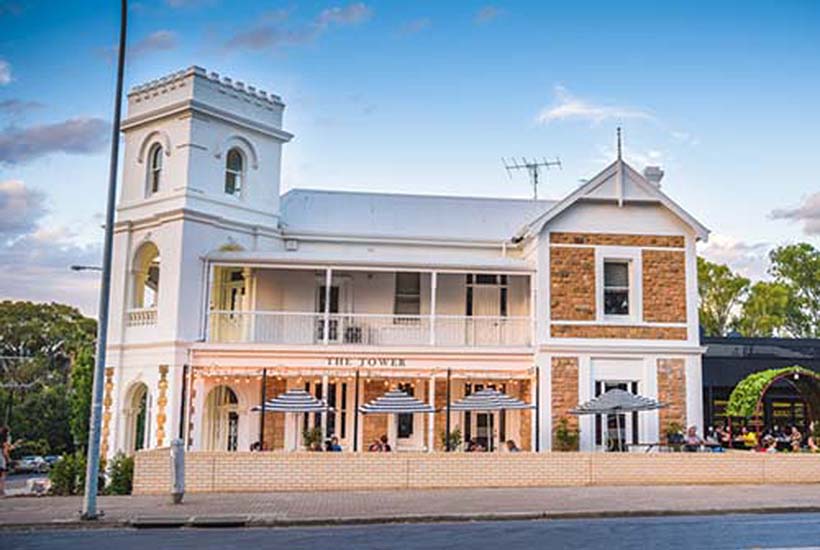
(294, 401)
(489, 400)
(395, 402)
(616, 401)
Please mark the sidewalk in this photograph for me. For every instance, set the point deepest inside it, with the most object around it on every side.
(283, 509)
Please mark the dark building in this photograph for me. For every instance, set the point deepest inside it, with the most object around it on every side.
(729, 360)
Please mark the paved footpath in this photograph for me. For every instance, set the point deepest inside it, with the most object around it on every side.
(283, 509)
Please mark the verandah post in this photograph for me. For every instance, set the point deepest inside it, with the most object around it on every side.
(264, 398)
(356, 415)
(447, 423)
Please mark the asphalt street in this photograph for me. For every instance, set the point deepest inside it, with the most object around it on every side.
(778, 531)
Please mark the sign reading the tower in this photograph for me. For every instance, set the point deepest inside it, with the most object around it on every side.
(384, 361)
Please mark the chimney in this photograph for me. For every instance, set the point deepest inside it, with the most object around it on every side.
(653, 174)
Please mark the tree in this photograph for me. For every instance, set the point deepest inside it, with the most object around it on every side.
(797, 267)
(79, 395)
(764, 311)
(721, 291)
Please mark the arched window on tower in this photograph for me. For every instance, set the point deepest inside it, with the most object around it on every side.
(154, 168)
(145, 273)
(234, 172)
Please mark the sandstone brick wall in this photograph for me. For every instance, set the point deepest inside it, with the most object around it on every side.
(672, 391)
(281, 471)
(572, 284)
(617, 239)
(275, 422)
(664, 286)
(564, 391)
(373, 425)
(618, 331)
(440, 425)
(524, 440)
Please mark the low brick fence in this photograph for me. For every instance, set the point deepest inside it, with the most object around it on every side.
(279, 471)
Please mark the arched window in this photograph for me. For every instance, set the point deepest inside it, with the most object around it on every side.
(154, 168)
(221, 420)
(234, 167)
(135, 415)
(146, 277)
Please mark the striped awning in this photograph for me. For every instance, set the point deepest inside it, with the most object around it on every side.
(489, 400)
(396, 402)
(294, 401)
(617, 400)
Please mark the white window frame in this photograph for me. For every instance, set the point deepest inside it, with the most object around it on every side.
(241, 175)
(633, 258)
(155, 152)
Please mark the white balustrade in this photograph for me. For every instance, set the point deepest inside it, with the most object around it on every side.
(300, 328)
(141, 317)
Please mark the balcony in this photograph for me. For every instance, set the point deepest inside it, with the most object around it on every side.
(302, 328)
(141, 317)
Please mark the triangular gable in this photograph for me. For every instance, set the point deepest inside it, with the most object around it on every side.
(618, 183)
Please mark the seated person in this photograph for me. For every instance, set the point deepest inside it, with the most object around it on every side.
(512, 447)
(333, 445)
(692, 442)
(769, 444)
(795, 439)
(749, 438)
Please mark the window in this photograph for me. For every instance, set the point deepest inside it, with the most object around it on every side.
(146, 277)
(486, 295)
(154, 168)
(616, 287)
(233, 172)
(405, 420)
(408, 295)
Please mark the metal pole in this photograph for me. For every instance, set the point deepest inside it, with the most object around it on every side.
(356, 415)
(447, 420)
(92, 471)
(182, 400)
(262, 414)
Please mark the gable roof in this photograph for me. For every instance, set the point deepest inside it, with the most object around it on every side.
(401, 216)
(618, 183)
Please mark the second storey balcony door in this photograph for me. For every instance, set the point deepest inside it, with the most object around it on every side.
(486, 302)
(338, 303)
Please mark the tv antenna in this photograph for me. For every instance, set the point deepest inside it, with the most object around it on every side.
(533, 167)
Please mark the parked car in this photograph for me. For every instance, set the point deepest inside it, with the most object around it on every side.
(52, 459)
(32, 463)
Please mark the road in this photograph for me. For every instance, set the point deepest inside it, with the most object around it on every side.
(778, 531)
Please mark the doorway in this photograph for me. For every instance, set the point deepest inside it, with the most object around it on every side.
(614, 432)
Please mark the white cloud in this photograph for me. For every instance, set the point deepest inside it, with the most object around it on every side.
(415, 26)
(5, 72)
(567, 106)
(75, 136)
(808, 213)
(487, 14)
(35, 256)
(749, 259)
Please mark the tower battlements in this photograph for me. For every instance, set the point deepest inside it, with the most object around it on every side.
(205, 88)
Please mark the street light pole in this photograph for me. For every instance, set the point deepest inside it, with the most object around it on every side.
(92, 471)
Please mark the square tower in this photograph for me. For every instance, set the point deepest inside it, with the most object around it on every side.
(202, 142)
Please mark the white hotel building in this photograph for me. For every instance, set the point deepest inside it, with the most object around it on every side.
(220, 281)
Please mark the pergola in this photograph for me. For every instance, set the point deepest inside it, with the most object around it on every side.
(746, 400)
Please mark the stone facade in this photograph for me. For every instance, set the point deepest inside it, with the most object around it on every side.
(615, 239)
(162, 404)
(373, 425)
(274, 433)
(106, 419)
(572, 284)
(564, 392)
(664, 286)
(524, 440)
(672, 391)
(618, 331)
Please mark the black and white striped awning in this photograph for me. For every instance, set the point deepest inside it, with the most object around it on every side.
(294, 401)
(617, 400)
(396, 402)
(489, 400)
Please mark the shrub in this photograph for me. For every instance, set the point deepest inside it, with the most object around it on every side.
(455, 439)
(68, 475)
(28, 447)
(313, 438)
(566, 439)
(120, 475)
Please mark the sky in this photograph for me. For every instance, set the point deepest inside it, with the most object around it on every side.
(427, 97)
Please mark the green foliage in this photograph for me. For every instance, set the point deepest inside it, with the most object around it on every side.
(312, 438)
(797, 267)
(673, 428)
(26, 447)
(43, 415)
(566, 439)
(120, 475)
(720, 291)
(68, 475)
(743, 399)
(80, 388)
(455, 439)
(765, 311)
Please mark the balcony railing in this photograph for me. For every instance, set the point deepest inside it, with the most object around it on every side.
(279, 327)
(142, 317)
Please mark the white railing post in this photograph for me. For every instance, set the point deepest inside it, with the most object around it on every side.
(433, 292)
(533, 310)
(326, 324)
